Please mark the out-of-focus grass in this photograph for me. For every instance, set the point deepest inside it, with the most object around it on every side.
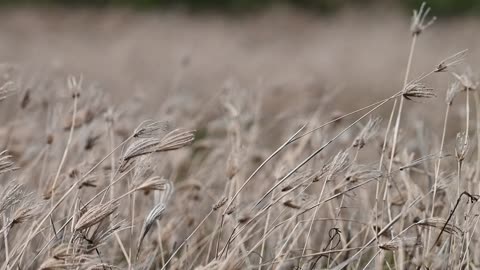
(439, 7)
(84, 172)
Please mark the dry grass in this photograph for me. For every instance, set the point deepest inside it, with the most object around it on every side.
(88, 183)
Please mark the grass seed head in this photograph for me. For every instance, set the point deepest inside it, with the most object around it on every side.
(417, 90)
(220, 203)
(95, 215)
(153, 183)
(88, 181)
(467, 80)
(394, 245)
(155, 214)
(452, 91)
(23, 214)
(11, 195)
(138, 147)
(176, 139)
(6, 163)
(461, 146)
(150, 128)
(439, 223)
(361, 173)
(101, 234)
(75, 86)
(370, 130)
(340, 162)
(419, 24)
(451, 61)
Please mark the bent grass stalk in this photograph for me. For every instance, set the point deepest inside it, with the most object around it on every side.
(312, 155)
(36, 227)
(292, 139)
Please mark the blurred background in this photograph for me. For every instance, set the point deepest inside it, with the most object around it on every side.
(244, 74)
(295, 51)
(447, 7)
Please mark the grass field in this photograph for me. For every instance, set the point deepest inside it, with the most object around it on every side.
(277, 140)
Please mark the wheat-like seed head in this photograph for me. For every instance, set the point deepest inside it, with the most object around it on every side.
(153, 183)
(440, 223)
(176, 139)
(11, 195)
(360, 173)
(6, 163)
(150, 128)
(139, 147)
(27, 210)
(101, 234)
(339, 163)
(88, 181)
(417, 90)
(406, 242)
(95, 215)
(155, 214)
(220, 203)
(461, 146)
(65, 256)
